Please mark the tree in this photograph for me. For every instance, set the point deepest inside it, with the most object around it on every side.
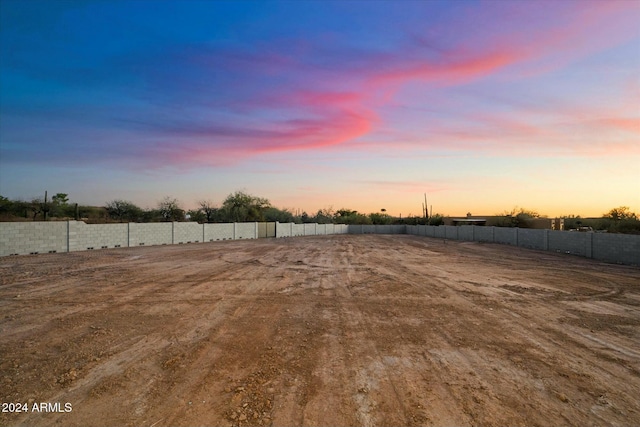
(60, 199)
(207, 209)
(436, 219)
(272, 214)
(348, 216)
(517, 217)
(122, 210)
(170, 210)
(38, 206)
(620, 214)
(19, 208)
(242, 207)
(59, 205)
(345, 212)
(196, 215)
(380, 218)
(6, 205)
(324, 216)
(621, 220)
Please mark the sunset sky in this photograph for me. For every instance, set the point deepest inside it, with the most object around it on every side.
(483, 105)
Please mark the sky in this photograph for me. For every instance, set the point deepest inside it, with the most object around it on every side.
(365, 105)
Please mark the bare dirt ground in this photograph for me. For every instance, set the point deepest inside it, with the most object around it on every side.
(332, 330)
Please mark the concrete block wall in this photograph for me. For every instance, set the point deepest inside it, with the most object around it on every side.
(23, 238)
(356, 229)
(466, 232)
(56, 236)
(483, 234)
(84, 237)
(618, 248)
(377, 229)
(145, 234)
(505, 235)
(297, 230)
(310, 229)
(570, 242)
(451, 232)
(532, 239)
(246, 230)
(213, 232)
(284, 229)
(187, 232)
(385, 229)
(368, 229)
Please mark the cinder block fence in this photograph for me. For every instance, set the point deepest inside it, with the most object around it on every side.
(616, 248)
(19, 238)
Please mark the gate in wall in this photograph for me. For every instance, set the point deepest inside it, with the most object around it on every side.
(266, 229)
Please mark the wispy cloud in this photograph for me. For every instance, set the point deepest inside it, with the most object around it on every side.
(206, 102)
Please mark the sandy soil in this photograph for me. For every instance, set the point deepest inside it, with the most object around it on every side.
(336, 330)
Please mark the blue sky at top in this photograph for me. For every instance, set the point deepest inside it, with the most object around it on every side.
(484, 105)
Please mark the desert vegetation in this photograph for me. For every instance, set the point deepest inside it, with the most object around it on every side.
(241, 206)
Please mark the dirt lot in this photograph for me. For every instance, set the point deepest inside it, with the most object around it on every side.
(336, 330)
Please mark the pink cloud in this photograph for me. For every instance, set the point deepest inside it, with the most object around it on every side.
(631, 125)
(579, 29)
(456, 70)
(324, 99)
(330, 130)
(209, 147)
(326, 115)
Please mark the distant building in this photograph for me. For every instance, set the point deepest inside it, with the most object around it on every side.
(546, 223)
(496, 220)
(468, 220)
